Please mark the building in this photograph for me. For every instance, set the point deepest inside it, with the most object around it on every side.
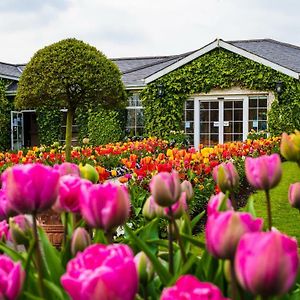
(213, 103)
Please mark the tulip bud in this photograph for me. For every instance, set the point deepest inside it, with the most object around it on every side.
(144, 267)
(89, 172)
(152, 210)
(178, 209)
(80, 240)
(187, 187)
(263, 172)
(290, 146)
(165, 188)
(226, 177)
(294, 195)
(20, 229)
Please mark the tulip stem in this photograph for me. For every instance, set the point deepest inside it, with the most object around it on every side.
(176, 230)
(38, 256)
(233, 201)
(233, 282)
(269, 209)
(65, 228)
(171, 250)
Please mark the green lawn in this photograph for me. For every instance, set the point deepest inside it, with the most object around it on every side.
(285, 218)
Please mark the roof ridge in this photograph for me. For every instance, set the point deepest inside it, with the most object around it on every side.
(140, 57)
(267, 40)
(151, 64)
(9, 64)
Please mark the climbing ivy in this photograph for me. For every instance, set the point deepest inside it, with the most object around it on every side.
(49, 122)
(5, 108)
(217, 69)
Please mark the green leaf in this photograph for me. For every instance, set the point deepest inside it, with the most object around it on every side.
(193, 240)
(197, 219)
(250, 206)
(51, 258)
(100, 237)
(12, 253)
(161, 271)
(30, 296)
(56, 291)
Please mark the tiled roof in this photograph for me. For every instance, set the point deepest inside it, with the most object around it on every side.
(136, 69)
(9, 71)
(285, 55)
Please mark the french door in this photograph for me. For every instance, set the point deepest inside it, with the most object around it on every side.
(17, 130)
(221, 120)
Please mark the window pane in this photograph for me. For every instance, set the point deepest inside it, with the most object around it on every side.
(130, 118)
(204, 127)
(252, 114)
(237, 137)
(214, 105)
(214, 115)
(139, 118)
(227, 138)
(228, 115)
(262, 114)
(204, 115)
(252, 102)
(238, 127)
(238, 104)
(189, 104)
(238, 115)
(189, 115)
(204, 105)
(227, 104)
(263, 102)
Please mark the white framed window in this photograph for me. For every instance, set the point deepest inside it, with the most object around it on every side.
(188, 120)
(258, 108)
(135, 116)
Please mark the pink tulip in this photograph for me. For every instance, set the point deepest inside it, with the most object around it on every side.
(69, 193)
(67, 168)
(102, 272)
(223, 232)
(215, 202)
(266, 263)
(294, 195)
(263, 172)
(178, 208)
(5, 210)
(30, 188)
(226, 177)
(165, 188)
(3, 230)
(104, 206)
(189, 287)
(11, 278)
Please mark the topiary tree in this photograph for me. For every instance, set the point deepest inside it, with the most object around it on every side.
(70, 74)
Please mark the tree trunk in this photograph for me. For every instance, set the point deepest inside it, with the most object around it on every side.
(69, 134)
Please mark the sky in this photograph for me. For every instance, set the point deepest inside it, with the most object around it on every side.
(127, 28)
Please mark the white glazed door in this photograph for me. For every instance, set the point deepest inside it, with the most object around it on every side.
(17, 130)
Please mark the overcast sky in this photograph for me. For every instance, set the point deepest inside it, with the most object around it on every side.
(122, 28)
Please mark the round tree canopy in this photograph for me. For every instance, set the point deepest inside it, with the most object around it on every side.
(69, 74)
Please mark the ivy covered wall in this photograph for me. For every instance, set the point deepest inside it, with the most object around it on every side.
(216, 69)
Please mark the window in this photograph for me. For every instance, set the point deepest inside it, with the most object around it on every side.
(258, 113)
(189, 120)
(135, 116)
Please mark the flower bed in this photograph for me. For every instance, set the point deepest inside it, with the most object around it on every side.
(239, 260)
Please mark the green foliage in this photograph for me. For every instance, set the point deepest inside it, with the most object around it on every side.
(49, 124)
(254, 135)
(104, 127)
(284, 117)
(5, 108)
(69, 74)
(217, 69)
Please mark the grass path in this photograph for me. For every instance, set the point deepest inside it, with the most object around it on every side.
(285, 218)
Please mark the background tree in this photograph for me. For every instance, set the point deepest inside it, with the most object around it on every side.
(70, 74)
